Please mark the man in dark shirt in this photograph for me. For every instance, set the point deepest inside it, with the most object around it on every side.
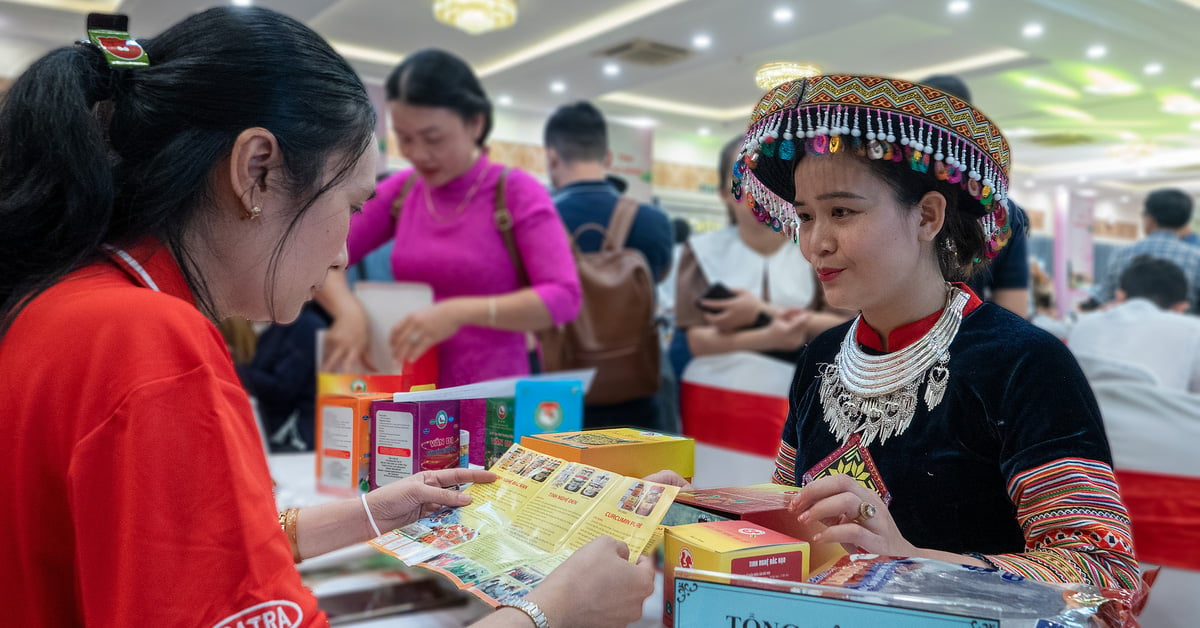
(577, 159)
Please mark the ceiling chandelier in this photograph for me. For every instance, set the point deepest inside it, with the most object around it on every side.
(476, 16)
(769, 75)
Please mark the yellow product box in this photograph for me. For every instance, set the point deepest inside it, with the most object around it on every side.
(627, 451)
(733, 547)
(343, 430)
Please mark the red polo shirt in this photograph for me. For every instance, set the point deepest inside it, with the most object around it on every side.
(134, 485)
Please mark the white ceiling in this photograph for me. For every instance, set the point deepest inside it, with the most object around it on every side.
(1122, 144)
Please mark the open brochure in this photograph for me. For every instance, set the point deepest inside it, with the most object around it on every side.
(520, 527)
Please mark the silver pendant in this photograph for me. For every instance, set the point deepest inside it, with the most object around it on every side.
(938, 377)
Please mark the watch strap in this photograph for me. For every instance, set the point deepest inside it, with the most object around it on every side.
(532, 610)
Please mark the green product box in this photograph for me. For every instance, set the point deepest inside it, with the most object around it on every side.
(500, 425)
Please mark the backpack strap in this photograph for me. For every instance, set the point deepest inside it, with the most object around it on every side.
(504, 223)
(405, 188)
(620, 224)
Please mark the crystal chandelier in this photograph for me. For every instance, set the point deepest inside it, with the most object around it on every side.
(775, 73)
(476, 16)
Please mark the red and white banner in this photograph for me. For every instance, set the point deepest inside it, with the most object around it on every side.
(736, 400)
(1153, 433)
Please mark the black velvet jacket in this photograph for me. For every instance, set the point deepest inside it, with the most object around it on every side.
(1016, 400)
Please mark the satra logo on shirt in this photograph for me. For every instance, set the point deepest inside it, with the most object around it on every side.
(273, 614)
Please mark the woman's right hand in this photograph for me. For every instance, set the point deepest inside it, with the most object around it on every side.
(597, 587)
(347, 343)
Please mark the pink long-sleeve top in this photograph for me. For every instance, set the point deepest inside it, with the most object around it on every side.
(464, 255)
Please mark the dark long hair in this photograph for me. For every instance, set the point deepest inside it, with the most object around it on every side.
(436, 78)
(90, 155)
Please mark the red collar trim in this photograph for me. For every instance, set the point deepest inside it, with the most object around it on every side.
(150, 265)
(905, 335)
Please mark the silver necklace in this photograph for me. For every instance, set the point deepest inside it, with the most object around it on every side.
(876, 395)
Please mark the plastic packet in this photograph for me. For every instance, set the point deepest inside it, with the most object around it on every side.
(948, 587)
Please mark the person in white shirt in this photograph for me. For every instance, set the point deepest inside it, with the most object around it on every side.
(1147, 327)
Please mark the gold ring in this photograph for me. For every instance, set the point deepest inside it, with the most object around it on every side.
(865, 511)
(414, 337)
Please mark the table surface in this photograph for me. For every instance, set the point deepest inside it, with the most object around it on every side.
(296, 478)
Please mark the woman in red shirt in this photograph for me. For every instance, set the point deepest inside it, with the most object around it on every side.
(141, 201)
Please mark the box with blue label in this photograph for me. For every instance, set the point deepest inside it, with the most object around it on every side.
(871, 590)
(410, 437)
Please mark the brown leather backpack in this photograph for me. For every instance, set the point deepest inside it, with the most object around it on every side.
(615, 331)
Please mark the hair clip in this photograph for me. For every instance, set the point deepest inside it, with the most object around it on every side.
(110, 34)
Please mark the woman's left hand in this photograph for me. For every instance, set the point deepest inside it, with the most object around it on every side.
(402, 502)
(422, 330)
(855, 515)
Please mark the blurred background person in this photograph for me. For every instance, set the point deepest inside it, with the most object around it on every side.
(746, 301)
(1166, 215)
(1146, 326)
(772, 305)
(442, 215)
(577, 160)
(1045, 314)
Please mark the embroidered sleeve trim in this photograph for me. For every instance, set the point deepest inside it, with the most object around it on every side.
(1076, 527)
(785, 465)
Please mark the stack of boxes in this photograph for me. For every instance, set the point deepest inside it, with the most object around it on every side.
(368, 439)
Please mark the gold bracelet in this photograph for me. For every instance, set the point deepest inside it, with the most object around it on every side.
(287, 521)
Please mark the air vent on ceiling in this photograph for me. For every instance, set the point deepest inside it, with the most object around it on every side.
(645, 52)
(1061, 139)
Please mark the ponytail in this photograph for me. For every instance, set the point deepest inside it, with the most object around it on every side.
(56, 181)
(90, 155)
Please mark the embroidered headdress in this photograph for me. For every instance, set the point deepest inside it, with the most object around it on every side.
(876, 118)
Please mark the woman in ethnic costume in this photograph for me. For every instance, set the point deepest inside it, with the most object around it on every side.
(932, 425)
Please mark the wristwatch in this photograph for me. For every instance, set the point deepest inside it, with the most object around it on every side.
(529, 608)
